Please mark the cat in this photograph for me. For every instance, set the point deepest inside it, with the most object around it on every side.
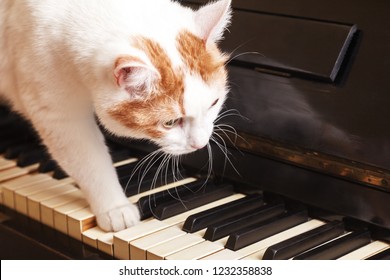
(147, 69)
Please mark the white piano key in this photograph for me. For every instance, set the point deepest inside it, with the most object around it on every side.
(160, 252)
(126, 161)
(10, 171)
(183, 242)
(6, 175)
(16, 172)
(122, 239)
(136, 197)
(199, 250)
(18, 178)
(21, 195)
(47, 207)
(285, 235)
(105, 243)
(34, 201)
(11, 186)
(256, 250)
(6, 164)
(139, 247)
(366, 251)
(224, 254)
(91, 236)
(85, 219)
(61, 214)
(80, 221)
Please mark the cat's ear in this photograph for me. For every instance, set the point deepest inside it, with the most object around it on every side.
(136, 75)
(213, 19)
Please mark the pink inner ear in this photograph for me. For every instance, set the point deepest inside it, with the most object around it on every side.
(123, 67)
(213, 19)
(121, 75)
(135, 76)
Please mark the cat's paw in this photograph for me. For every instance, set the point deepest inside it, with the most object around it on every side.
(119, 218)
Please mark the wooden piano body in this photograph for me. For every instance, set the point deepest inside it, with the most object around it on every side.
(310, 81)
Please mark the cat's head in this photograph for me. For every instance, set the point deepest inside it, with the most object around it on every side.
(173, 95)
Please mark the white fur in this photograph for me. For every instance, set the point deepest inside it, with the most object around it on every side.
(198, 122)
(56, 68)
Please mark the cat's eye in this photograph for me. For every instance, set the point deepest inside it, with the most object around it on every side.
(172, 123)
(214, 103)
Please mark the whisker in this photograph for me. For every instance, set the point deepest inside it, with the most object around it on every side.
(165, 160)
(230, 112)
(238, 47)
(226, 131)
(148, 166)
(230, 130)
(155, 178)
(210, 164)
(225, 151)
(175, 170)
(223, 144)
(149, 160)
(241, 54)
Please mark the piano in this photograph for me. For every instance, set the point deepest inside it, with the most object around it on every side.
(306, 169)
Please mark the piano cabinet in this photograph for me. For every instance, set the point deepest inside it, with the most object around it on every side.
(309, 103)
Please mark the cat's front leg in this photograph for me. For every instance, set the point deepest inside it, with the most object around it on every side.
(79, 147)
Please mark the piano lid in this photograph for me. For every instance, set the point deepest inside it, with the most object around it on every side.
(342, 121)
(267, 36)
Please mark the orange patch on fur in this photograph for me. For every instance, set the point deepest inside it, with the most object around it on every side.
(145, 116)
(200, 58)
(166, 102)
(168, 95)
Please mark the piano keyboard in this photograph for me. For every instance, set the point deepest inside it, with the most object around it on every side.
(209, 221)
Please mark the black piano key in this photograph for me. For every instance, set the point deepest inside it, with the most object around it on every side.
(147, 203)
(59, 173)
(119, 155)
(32, 157)
(305, 241)
(140, 170)
(383, 255)
(15, 150)
(7, 143)
(128, 178)
(154, 177)
(125, 171)
(172, 208)
(244, 220)
(338, 247)
(9, 132)
(17, 132)
(203, 219)
(265, 229)
(8, 121)
(147, 183)
(47, 165)
(12, 124)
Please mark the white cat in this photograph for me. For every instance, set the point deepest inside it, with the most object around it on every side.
(147, 68)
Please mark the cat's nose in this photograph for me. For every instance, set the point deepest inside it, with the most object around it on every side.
(199, 139)
(197, 146)
(199, 143)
